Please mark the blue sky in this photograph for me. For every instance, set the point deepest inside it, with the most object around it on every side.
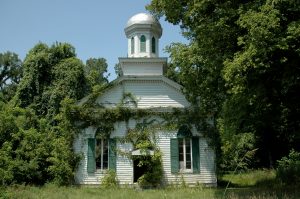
(95, 28)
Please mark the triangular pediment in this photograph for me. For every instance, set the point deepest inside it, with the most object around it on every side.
(147, 92)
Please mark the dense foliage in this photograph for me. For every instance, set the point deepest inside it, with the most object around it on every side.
(36, 127)
(288, 170)
(241, 66)
(50, 75)
(95, 70)
(144, 138)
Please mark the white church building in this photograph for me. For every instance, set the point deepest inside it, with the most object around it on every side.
(183, 158)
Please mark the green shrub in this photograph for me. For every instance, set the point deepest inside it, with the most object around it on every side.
(109, 180)
(34, 151)
(288, 170)
(153, 175)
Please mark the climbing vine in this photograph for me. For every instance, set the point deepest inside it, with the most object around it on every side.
(97, 115)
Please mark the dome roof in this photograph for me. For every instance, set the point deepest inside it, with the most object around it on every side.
(142, 18)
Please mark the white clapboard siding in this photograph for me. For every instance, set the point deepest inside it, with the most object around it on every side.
(125, 167)
(207, 164)
(148, 94)
(112, 97)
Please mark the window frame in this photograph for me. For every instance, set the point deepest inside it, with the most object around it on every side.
(143, 44)
(132, 45)
(103, 152)
(153, 45)
(182, 167)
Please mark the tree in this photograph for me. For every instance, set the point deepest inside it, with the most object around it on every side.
(10, 74)
(37, 127)
(265, 72)
(33, 150)
(36, 132)
(241, 65)
(95, 69)
(51, 74)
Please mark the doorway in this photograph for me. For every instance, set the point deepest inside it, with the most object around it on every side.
(138, 171)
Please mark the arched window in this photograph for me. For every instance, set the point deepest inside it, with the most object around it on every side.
(153, 45)
(132, 45)
(143, 44)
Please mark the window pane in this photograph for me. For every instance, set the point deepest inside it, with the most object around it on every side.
(180, 145)
(188, 156)
(132, 45)
(188, 153)
(188, 165)
(105, 154)
(188, 145)
(143, 44)
(98, 153)
(153, 45)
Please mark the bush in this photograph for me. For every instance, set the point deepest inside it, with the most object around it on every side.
(109, 180)
(34, 151)
(153, 175)
(288, 170)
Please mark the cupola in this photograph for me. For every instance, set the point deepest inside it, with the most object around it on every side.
(143, 32)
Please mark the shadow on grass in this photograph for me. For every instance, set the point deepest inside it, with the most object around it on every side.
(268, 183)
(256, 186)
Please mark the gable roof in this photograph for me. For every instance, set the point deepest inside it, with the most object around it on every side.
(150, 92)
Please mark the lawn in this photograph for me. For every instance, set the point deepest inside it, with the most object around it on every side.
(253, 185)
(255, 178)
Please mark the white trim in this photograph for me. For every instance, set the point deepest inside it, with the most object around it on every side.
(148, 78)
(139, 152)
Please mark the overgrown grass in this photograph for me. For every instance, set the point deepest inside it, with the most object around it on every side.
(257, 184)
(256, 178)
(252, 185)
(53, 192)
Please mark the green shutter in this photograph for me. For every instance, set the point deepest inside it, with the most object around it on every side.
(174, 156)
(112, 152)
(91, 163)
(196, 155)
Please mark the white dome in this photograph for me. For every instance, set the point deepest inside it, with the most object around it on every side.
(142, 18)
